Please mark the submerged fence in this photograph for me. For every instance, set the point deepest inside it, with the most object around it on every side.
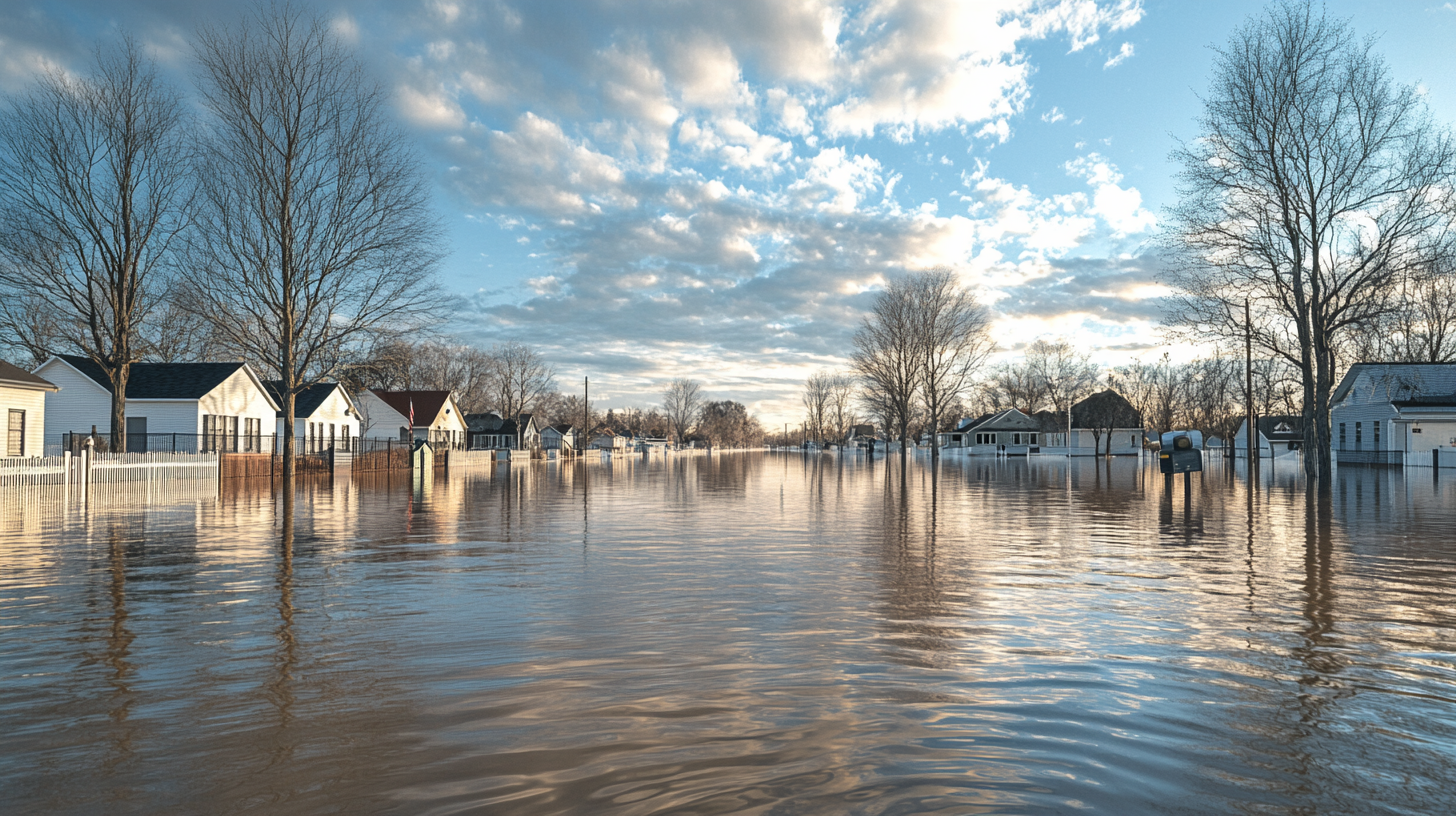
(111, 477)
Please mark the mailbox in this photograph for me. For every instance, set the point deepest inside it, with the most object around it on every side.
(1181, 452)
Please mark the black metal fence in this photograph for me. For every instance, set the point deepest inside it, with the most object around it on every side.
(208, 443)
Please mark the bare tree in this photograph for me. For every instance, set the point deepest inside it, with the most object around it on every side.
(954, 341)
(889, 359)
(95, 190)
(841, 405)
(315, 231)
(1421, 326)
(1315, 184)
(681, 402)
(1014, 385)
(519, 378)
(816, 395)
(1064, 374)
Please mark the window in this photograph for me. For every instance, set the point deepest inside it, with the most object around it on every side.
(1375, 426)
(1357, 435)
(1033, 439)
(219, 433)
(252, 434)
(15, 436)
(1342, 436)
(404, 435)
(985, 439)
(1016, 439)
(331, 435)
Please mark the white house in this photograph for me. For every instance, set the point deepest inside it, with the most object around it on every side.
(559, 437)
(406, 415)
(323, 417)
(1278, 436)
(169, 406)
(609, 440)
(1382, 411)
(22, 401)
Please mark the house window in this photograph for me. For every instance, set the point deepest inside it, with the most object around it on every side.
(252, 435)
(1342, 436)
(1357, 435)
(1033, 439)
(15, 435)
(1375, 437)
(404, 435)
(332, 431)
(219, 433)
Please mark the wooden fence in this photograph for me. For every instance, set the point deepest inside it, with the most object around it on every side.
(270, 465)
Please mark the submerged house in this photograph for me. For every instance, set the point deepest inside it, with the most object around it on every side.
(1380, 412)
(491, 431)
(404, 416)
(324, 418)
(561, 436)
(1278, 436)
(169, 406)
(22, 402)
(1010, 432)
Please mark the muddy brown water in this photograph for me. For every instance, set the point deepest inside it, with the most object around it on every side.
(745, 633)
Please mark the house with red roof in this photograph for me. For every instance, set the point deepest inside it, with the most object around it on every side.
(404, 416)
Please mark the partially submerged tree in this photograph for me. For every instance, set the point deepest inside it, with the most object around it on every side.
(95, 191)
(888, 358)
(816, 396)
(682, 402)
(952, 330)
(315, 232)
(1315, 184)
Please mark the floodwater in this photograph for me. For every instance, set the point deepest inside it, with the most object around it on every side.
(743, 633)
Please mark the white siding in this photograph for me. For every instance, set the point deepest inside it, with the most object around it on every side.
(1434, 434)
(380, 421)
(166, 416)
(32, 401)
(449, 419)
(333, 411)
(79, 404)
(238, 396)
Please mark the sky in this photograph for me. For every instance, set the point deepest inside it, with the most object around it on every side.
(715, 190)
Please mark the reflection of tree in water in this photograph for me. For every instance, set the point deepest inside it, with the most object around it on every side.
(118, 650)
(285, 661)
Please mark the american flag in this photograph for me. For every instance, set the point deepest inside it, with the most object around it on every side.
(412, 413)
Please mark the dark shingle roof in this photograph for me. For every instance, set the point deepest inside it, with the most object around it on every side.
(1105, 409)
(428, 404)
(161, 380)
(14, 375)
(306, 401)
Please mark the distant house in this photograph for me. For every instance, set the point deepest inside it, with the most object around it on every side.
(1278, 436)
(609, 440)
(1104, 424)
(323, 417)
(490, 431)
(1010, 432)
(1115, 426)
(169, 406)
(405, 416)
(22, 401)
(1381, 411)
(560, 437)
(862, 436)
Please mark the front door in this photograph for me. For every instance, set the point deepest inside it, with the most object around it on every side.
(136, 434)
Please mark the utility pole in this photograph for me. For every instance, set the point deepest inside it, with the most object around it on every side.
(1251, 443)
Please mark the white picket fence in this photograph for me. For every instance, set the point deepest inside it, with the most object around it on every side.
(110, 477)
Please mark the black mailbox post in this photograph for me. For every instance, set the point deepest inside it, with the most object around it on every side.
(1181, 452)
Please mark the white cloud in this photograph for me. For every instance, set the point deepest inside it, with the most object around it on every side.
(1120, 207)
(1053, 116)
(1123, 55)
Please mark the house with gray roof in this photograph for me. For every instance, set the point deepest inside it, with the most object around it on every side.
(1382, 412)
(169, 406)
(1008, 432)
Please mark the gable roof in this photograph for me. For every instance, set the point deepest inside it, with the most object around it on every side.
(165, 381)
(1105, 409)
(1009, 419)
(428, 404)
(306, 401)
(17, 376)
(1402, 381)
